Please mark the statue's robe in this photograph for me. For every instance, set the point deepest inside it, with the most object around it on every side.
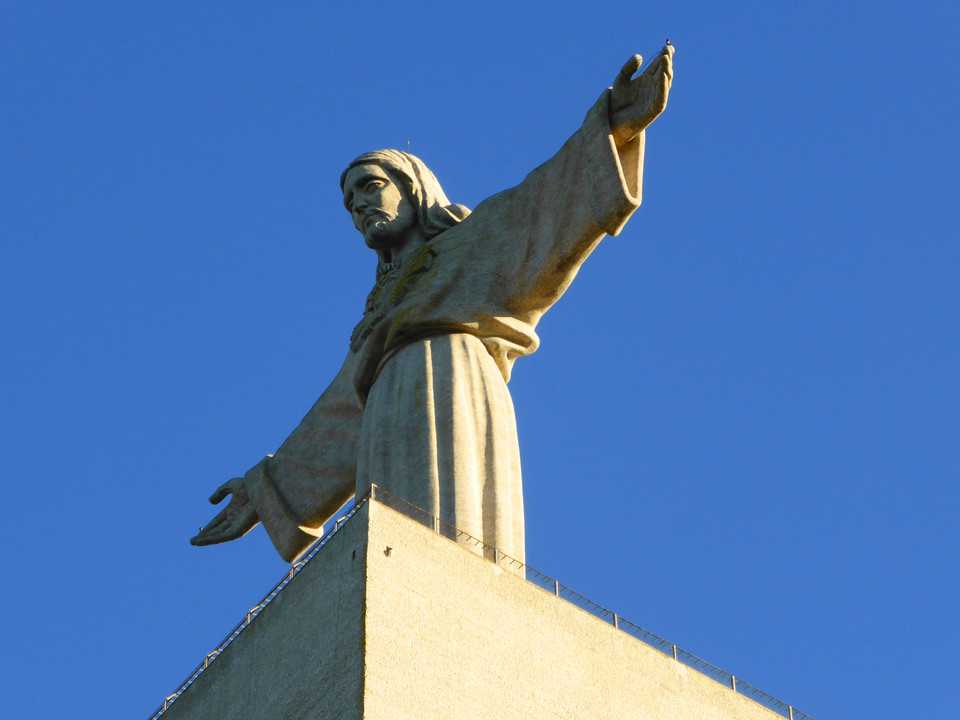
(421, 406)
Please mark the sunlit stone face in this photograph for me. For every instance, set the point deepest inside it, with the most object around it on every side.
(378, 206)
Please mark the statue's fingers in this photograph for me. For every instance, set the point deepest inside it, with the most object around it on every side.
(206, 538)
(662, 61)
(203, 537)
(214, 525)
(229, 530)
(213, 534)
(666, 62)
(629, 68)
(666, 80)
(221, 492)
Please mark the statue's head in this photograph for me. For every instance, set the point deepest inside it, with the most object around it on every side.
(388, 193)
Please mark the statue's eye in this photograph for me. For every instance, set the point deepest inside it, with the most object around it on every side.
(373, 185)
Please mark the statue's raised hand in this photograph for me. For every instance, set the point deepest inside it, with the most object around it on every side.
(235, 520)
(635, 102)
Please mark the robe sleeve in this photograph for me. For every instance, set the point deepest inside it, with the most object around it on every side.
(313, 473)
(543, 229)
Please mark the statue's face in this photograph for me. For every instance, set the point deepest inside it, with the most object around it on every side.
(378, 206)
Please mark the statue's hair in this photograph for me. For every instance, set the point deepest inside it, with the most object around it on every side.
(435, 212)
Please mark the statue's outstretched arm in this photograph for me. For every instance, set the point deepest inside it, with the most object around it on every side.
(540, 232)
(296, 490)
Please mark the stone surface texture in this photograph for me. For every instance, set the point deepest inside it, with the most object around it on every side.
(427, 629)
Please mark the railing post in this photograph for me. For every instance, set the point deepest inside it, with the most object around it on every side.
(733, 683)
(674, 651)
(496, 556)
(616, 621)
(790, 712)
(556, 588)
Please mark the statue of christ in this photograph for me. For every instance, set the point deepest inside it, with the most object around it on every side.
(421, 406)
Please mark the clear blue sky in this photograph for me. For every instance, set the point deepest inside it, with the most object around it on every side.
(741, 429)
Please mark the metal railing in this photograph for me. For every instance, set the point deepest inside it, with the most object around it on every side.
(562, 591)
(544, 582)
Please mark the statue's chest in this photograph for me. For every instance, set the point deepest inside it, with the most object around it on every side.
(391, 289)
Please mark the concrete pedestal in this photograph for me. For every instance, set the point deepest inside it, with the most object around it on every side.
(391, 621)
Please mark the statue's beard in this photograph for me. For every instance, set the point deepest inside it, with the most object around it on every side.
(382, 231)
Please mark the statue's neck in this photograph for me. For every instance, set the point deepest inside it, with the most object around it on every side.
(398, 252)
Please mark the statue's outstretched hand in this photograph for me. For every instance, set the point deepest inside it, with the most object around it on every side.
(235, 520)
(636, 102)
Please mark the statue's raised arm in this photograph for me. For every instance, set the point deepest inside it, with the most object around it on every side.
(421, 406)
